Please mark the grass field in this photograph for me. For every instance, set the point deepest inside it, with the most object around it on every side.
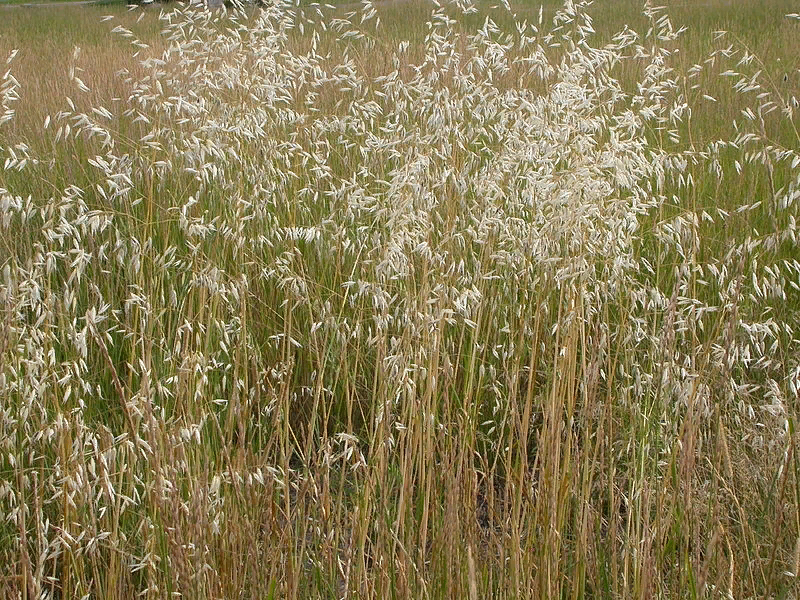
(410, 300)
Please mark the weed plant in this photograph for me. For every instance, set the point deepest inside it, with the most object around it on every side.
(329, 307)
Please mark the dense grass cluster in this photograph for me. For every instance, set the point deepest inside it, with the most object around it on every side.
(323, 306)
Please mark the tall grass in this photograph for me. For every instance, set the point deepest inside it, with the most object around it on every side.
(324, 307)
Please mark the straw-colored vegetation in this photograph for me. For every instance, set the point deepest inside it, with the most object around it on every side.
(423, 301)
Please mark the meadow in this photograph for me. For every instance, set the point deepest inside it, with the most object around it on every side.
(409, 299)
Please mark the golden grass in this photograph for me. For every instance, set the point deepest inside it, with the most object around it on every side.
(301, 315)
